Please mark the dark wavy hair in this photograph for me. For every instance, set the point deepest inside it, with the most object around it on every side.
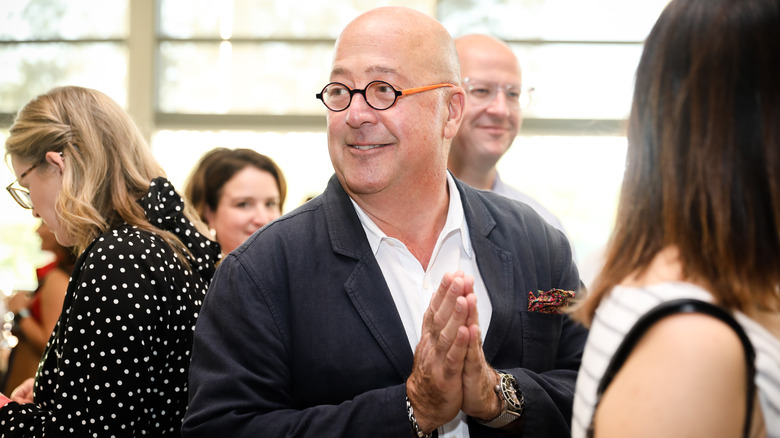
(703, 165)
(217, 167)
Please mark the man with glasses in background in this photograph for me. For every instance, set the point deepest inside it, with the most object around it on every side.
(495, 99)
(397, 302)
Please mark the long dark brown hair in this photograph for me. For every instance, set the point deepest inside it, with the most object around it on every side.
(703, 164)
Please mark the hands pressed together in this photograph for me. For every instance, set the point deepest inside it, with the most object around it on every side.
(450, 372)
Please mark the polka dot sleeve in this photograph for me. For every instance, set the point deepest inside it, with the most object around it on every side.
(117, 363)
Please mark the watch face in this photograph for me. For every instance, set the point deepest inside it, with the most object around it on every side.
(509, 390)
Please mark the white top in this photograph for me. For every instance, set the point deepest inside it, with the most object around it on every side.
(412, 287)
(510, 192)
(621, 309)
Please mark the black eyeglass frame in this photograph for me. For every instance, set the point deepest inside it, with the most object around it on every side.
(397, 93)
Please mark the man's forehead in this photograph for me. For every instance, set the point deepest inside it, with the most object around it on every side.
(506, 72)
(378, 71)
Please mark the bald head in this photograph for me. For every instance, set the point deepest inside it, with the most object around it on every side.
(491, 120)
(416, 41)
(384, 156)
(484, 52)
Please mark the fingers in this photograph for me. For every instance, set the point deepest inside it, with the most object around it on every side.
(452, 307)
(23, 393)
(479, 399)
(443, 304)
(454, 340)
(441, 292)
(474, 355)
(435, 386)
(471, 298)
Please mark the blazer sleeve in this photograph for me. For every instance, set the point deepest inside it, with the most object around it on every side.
(241, 382)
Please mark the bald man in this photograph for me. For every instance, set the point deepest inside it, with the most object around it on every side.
(396, 303)
(493, 116)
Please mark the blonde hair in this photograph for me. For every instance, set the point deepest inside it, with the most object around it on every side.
(109, 166)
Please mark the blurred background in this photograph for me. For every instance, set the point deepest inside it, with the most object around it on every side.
(196, 74)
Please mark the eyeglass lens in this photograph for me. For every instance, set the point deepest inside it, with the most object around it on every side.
(378, 94)
(483, 93)
(21, 196)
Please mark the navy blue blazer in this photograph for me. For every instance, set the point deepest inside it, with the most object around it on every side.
(299, 336)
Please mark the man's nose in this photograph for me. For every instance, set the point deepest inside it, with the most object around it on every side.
(500, 106)
(359, 111)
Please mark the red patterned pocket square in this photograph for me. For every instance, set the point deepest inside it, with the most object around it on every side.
(552, 301)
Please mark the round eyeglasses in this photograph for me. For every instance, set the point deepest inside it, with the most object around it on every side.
(379, 95)
(485, 92)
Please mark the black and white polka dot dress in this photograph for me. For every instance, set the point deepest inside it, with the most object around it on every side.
(117, 362)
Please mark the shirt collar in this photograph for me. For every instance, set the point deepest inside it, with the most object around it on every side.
(456, 221)
(498, 184)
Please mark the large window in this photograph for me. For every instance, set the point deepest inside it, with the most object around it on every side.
(196, 74)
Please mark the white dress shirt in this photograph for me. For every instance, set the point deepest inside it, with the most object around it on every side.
(412, 286)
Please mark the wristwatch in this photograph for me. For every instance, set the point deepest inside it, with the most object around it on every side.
(509, 393)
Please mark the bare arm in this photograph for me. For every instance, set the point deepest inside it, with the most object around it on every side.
(684, 378)
(52, 293)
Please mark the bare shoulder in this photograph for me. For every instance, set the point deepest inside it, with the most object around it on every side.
(685, 377)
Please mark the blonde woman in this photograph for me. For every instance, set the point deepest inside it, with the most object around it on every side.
(117, 361)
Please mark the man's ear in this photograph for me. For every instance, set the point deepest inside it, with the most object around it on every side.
(456, 106)
(56, 159)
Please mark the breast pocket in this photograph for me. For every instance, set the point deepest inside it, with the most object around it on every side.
(541, 334)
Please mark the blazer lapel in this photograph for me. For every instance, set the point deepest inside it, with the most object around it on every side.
(495, 266)
(366, 286)
(371, 297)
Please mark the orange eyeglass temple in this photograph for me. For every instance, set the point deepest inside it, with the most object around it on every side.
(425, 88)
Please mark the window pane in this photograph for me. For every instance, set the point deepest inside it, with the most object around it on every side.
(303, 157)
(218, 78)
(581, 190)
(28, 70)
(267, 18)
(561, 20)
(577, 81)
(63, 19)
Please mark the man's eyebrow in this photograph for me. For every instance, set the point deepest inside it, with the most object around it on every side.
(371, 69)
(381, 69)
